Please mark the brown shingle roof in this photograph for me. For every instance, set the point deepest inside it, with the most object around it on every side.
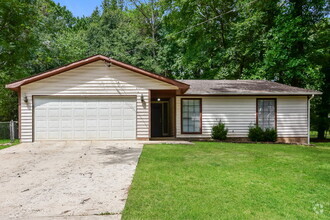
(243, 87)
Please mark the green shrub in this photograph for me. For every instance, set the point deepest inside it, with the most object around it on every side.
(270, 134)
(256, 134)
(219, 132)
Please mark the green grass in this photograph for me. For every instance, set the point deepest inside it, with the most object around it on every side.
(5, 141)
(313, 134)
(231, 181)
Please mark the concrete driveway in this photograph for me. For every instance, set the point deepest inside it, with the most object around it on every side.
(66, 178)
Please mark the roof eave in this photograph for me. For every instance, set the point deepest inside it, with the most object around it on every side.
(258, 94)
(15, 85)
(183, 87)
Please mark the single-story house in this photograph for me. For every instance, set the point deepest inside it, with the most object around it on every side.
(100, 98)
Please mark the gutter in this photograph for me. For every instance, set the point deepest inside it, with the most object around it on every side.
(309, 118)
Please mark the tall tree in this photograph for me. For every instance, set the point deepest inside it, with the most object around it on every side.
(288, 44)
(321, 59)
(60, 41)
(17, 40)
(200, 32)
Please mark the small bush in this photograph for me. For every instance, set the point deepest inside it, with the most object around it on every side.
(270, 134)
(256, 134)
(219, 132)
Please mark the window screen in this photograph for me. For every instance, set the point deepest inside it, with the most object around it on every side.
(266, 113)
(191, 121)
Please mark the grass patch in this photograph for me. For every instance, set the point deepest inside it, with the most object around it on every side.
(231, 181)
(4, 142)
(313, 134)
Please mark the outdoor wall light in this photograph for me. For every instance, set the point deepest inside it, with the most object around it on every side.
(158, 99)
(142, 98)
(26, 99)
(108, 64)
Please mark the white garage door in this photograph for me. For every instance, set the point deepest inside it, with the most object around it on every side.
(75, 118)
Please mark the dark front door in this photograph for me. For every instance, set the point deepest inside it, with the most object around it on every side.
(156, 120)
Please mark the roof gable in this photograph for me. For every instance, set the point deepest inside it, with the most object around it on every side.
(96, 78)
(17, 84)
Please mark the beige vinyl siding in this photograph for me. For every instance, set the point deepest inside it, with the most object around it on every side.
(239, 112)
(292, 116)
(95, 79)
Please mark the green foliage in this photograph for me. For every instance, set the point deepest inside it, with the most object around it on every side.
(5, 143)
(320, 120)
(257, 134)
(17, 41)
(270, 135)
(219, 131)
(285, 41)
(16, 31)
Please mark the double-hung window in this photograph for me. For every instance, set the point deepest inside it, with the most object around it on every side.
(266, 113)
(191, 116)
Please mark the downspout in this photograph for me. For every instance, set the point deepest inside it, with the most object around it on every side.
(309, 118)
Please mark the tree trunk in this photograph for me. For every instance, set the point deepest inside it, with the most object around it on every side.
(298, 48)
(321, 133)
(324, 107)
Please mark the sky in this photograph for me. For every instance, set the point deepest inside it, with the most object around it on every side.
(80, 7)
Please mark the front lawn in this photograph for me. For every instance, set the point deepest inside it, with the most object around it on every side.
(4, 143)
(231, 181)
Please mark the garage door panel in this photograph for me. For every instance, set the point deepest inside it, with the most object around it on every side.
(78, 112)
(104, 105)
(42, 135)
(53, 124)
(104, 123)
(128, 123)
(117, 134)
(117, 124)
(53, 135)
(104, 134)
(42, 112)
(80, 104)
(128, 112)
(79, 135)
(66, 124)
(53, 113)
(76, 118)
(116, 112)
(65, 112)
(92, 134)
(128, 134)
(91, 124)
(67, 102)
(78, 124)
(91, 112)
(67, 135)
(41, 124)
